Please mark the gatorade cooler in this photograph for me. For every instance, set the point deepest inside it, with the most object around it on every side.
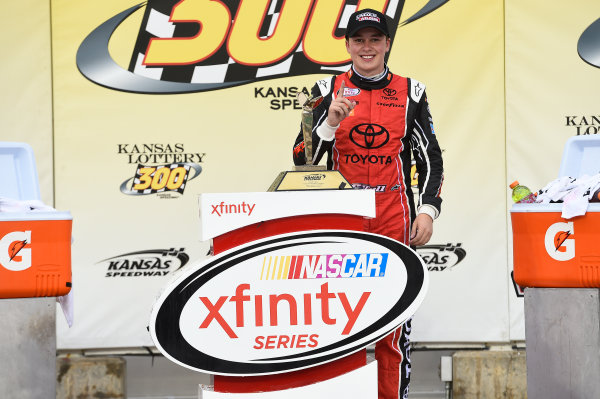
(549, 251)
(35, 247)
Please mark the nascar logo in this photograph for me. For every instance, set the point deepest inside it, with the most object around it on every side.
(198, 45)
(323, 266)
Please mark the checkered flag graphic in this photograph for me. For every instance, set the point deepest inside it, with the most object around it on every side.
(180, 187)
(220, 68)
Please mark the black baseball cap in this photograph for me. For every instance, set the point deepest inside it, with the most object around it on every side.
(366, 18)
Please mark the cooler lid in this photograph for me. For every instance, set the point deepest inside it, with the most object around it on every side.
(581, 156)
(19, 179)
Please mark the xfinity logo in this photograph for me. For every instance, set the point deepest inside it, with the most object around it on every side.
(223, 208)
(322, 301)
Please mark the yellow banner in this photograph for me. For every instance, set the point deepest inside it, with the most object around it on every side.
(26, 82)
(150, 112)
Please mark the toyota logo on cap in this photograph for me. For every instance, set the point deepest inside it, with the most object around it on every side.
(369, 136)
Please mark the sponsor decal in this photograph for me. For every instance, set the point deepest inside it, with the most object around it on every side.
(281, 98)
(366, 158)
(367, 16)
(323, 266)
(199, 45)
(315, 177)
(560, 241)
(287, 302)
(148, 263)
(418, 89)
(588, 45)
(161, 179)
(369, 135)
(438, 258)
(389, 92)
(390, 105)
(379, 188)
(351, 92)
(237, 208)
(15, 251)
(390, 95)
(299, 149)
(584, 124)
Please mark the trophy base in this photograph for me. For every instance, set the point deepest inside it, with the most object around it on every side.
(310, 177)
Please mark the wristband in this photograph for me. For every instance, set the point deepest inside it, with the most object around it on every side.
(326, 132)
(428, 210)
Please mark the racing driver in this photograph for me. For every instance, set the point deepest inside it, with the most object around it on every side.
(369, 125)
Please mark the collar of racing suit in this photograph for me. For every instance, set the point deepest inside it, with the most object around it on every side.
(369, 83)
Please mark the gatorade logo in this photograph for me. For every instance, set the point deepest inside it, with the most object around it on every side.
(199, 45)
(14, 254)
(559, 241)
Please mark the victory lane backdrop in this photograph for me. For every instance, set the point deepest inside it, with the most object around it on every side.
(124, 148)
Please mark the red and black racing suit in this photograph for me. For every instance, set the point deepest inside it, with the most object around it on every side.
(372, 149)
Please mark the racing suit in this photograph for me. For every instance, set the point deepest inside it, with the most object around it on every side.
(372, 148)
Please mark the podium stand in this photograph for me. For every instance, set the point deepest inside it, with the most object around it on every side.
(297, 211)
(294, 293)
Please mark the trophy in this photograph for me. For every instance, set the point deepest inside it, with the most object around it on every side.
(309, 176)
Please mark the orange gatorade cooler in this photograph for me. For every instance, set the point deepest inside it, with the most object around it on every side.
(35, 247)
(549, 251)
(35, 254)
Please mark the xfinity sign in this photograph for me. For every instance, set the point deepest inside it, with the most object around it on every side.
(288, 302)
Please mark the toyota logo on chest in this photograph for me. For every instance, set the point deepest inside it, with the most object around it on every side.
(389, 92)
(369, 136)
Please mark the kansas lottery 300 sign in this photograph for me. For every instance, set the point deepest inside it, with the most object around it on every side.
(197, 45)
(288, 302)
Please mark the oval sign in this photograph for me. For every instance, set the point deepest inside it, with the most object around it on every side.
(288, 302)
